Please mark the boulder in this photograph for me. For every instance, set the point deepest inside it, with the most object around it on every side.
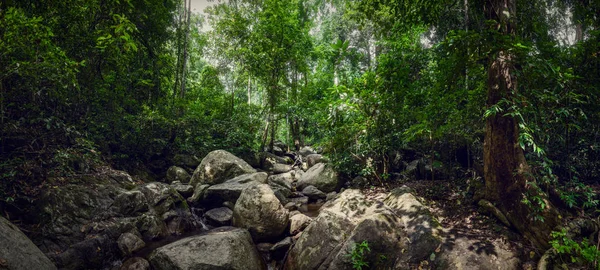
(298, 223)
(269, 160)
(281, 168)
(75, 218)
(175, 173)
(422, 229)
(278, 151)
(281, 184)
(280, 144)
(230, 190)
(284, 179)
(416, 169)
(161, 197)
(83, 219)
(313, 193)
(221, 248)
(178, 221)
(18, 252)
(352, 219)
(313, 159)
(219, 166)
(135, 263)
(321, 176)
(259, 211)
(151, 226)
(290, 206)
(129, 203)
(306, 150)
(198, 193)
(183, 189)
(219, 216)
(129, 243)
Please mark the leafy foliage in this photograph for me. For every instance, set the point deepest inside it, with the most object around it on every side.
(579, 252)
(358, 256)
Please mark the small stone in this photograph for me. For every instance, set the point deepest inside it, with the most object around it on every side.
(198, 193)
(281, 168)
(298, 223)
(219, 216)
(183, 189)
(313, 193)
(291, 206)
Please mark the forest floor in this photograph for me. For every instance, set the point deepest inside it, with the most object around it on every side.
(460, 215)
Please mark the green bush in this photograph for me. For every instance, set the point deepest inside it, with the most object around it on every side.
(358, 256)
(579, 252)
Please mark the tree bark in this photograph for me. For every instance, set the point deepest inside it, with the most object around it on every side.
(185, 47)
(507, 174)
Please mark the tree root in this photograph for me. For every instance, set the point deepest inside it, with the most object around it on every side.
(547, 260)
(489, 207)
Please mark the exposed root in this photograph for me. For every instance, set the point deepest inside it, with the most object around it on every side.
(489, 207)
(547, 260)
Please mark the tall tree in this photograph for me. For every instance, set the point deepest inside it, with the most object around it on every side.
(507, 175)
(266, 39)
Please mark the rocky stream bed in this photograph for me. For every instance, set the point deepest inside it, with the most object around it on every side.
(291, 212)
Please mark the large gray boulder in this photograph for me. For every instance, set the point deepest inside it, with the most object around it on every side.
(17, 252)
(230, 190)
(221, 248)
(88, 219)
(422, 229)
(259, 211)
(322, 176)
(352, 219)
(219, 166)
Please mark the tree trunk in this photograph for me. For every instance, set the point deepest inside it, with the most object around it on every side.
(507, 174)
(2, 114)
(185, 47)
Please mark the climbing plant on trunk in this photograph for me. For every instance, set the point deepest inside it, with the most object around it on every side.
(508, 178)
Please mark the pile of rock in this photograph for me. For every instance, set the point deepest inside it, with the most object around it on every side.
(253, 216)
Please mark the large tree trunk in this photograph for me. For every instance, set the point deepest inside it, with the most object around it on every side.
(507, 175)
